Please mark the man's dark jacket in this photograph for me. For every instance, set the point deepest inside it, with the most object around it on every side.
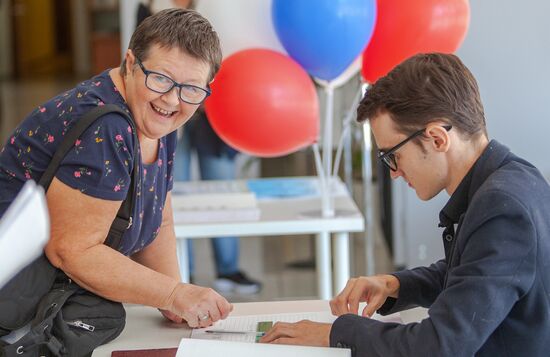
(490, 296)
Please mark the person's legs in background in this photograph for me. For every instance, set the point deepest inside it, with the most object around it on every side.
(226, 249)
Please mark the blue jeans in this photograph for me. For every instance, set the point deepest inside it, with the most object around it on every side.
(226, 249)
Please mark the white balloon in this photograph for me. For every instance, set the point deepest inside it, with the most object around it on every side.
(241, 24)
(344, 77)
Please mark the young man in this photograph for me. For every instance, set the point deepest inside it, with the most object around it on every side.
(490, 296)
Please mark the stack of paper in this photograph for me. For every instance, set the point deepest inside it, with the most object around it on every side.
(24, 231)
(213, 201)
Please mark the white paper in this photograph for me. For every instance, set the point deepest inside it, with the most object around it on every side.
(24, 231)
(249, 323)
(202, 348)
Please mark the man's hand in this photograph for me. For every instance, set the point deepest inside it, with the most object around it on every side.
(374, 290)
(305, 333)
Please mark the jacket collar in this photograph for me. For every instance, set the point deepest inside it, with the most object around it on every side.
(490, 160)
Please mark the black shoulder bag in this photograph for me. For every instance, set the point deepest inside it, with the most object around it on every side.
(65, 319)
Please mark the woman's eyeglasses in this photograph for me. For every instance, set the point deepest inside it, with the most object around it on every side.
(159, 83)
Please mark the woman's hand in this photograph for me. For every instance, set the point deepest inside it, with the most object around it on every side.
(305, 333)
(374, 290)
(199, 306)
(170, 316)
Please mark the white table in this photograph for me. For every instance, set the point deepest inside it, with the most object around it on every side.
(288, 216)
(147, 329)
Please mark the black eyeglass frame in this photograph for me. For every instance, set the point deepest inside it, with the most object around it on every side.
(174, 84)
(388, 157)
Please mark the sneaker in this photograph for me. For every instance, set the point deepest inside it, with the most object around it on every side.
(238, 283)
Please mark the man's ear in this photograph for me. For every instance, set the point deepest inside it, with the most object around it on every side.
(441, 140)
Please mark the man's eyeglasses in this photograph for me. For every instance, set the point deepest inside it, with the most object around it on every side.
(388, 157)
(160, 83)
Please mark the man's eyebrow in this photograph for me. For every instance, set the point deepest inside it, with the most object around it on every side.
(384, 149)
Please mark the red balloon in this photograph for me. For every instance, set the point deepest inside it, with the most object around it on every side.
(263, 103)
(404, 28)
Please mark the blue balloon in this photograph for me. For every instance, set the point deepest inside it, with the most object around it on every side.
(324, 36)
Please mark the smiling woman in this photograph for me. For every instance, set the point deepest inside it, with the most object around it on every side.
(172, 57)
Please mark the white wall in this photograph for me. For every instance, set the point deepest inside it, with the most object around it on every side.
(508, 50)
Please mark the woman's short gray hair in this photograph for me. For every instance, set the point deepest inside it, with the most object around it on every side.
(184, 29)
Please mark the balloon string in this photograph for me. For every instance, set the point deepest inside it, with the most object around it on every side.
(328, 209)
(346, 124)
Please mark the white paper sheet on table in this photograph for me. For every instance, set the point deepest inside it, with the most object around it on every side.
(249, 323)
(24, 230)
(200, 348)
(243, 344)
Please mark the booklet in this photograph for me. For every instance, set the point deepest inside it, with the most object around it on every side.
(24, 230)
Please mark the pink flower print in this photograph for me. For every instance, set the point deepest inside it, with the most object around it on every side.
(77, 142)
(27, 175)
(50, 138)
(82, 171)
(161, 145)
(129, 129)
(97, 84)
(12, 140)
(58, 104)
(115, 88)
(159, 162)
(42, 109)
(100, 103)
(119, 185)
(144, 172)
(118, 137)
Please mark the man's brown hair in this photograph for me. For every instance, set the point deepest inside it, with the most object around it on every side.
(184, 29)
(426, 88)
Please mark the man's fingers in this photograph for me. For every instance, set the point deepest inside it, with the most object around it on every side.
(280, 329)
(286, 341)
(355, 298)
(339, 305)
(371, 307)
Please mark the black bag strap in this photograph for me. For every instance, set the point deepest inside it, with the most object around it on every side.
(123, 219)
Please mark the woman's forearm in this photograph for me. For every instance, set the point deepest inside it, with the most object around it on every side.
(114, 276)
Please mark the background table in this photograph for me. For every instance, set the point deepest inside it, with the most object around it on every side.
(288, 216)
(147, 329)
